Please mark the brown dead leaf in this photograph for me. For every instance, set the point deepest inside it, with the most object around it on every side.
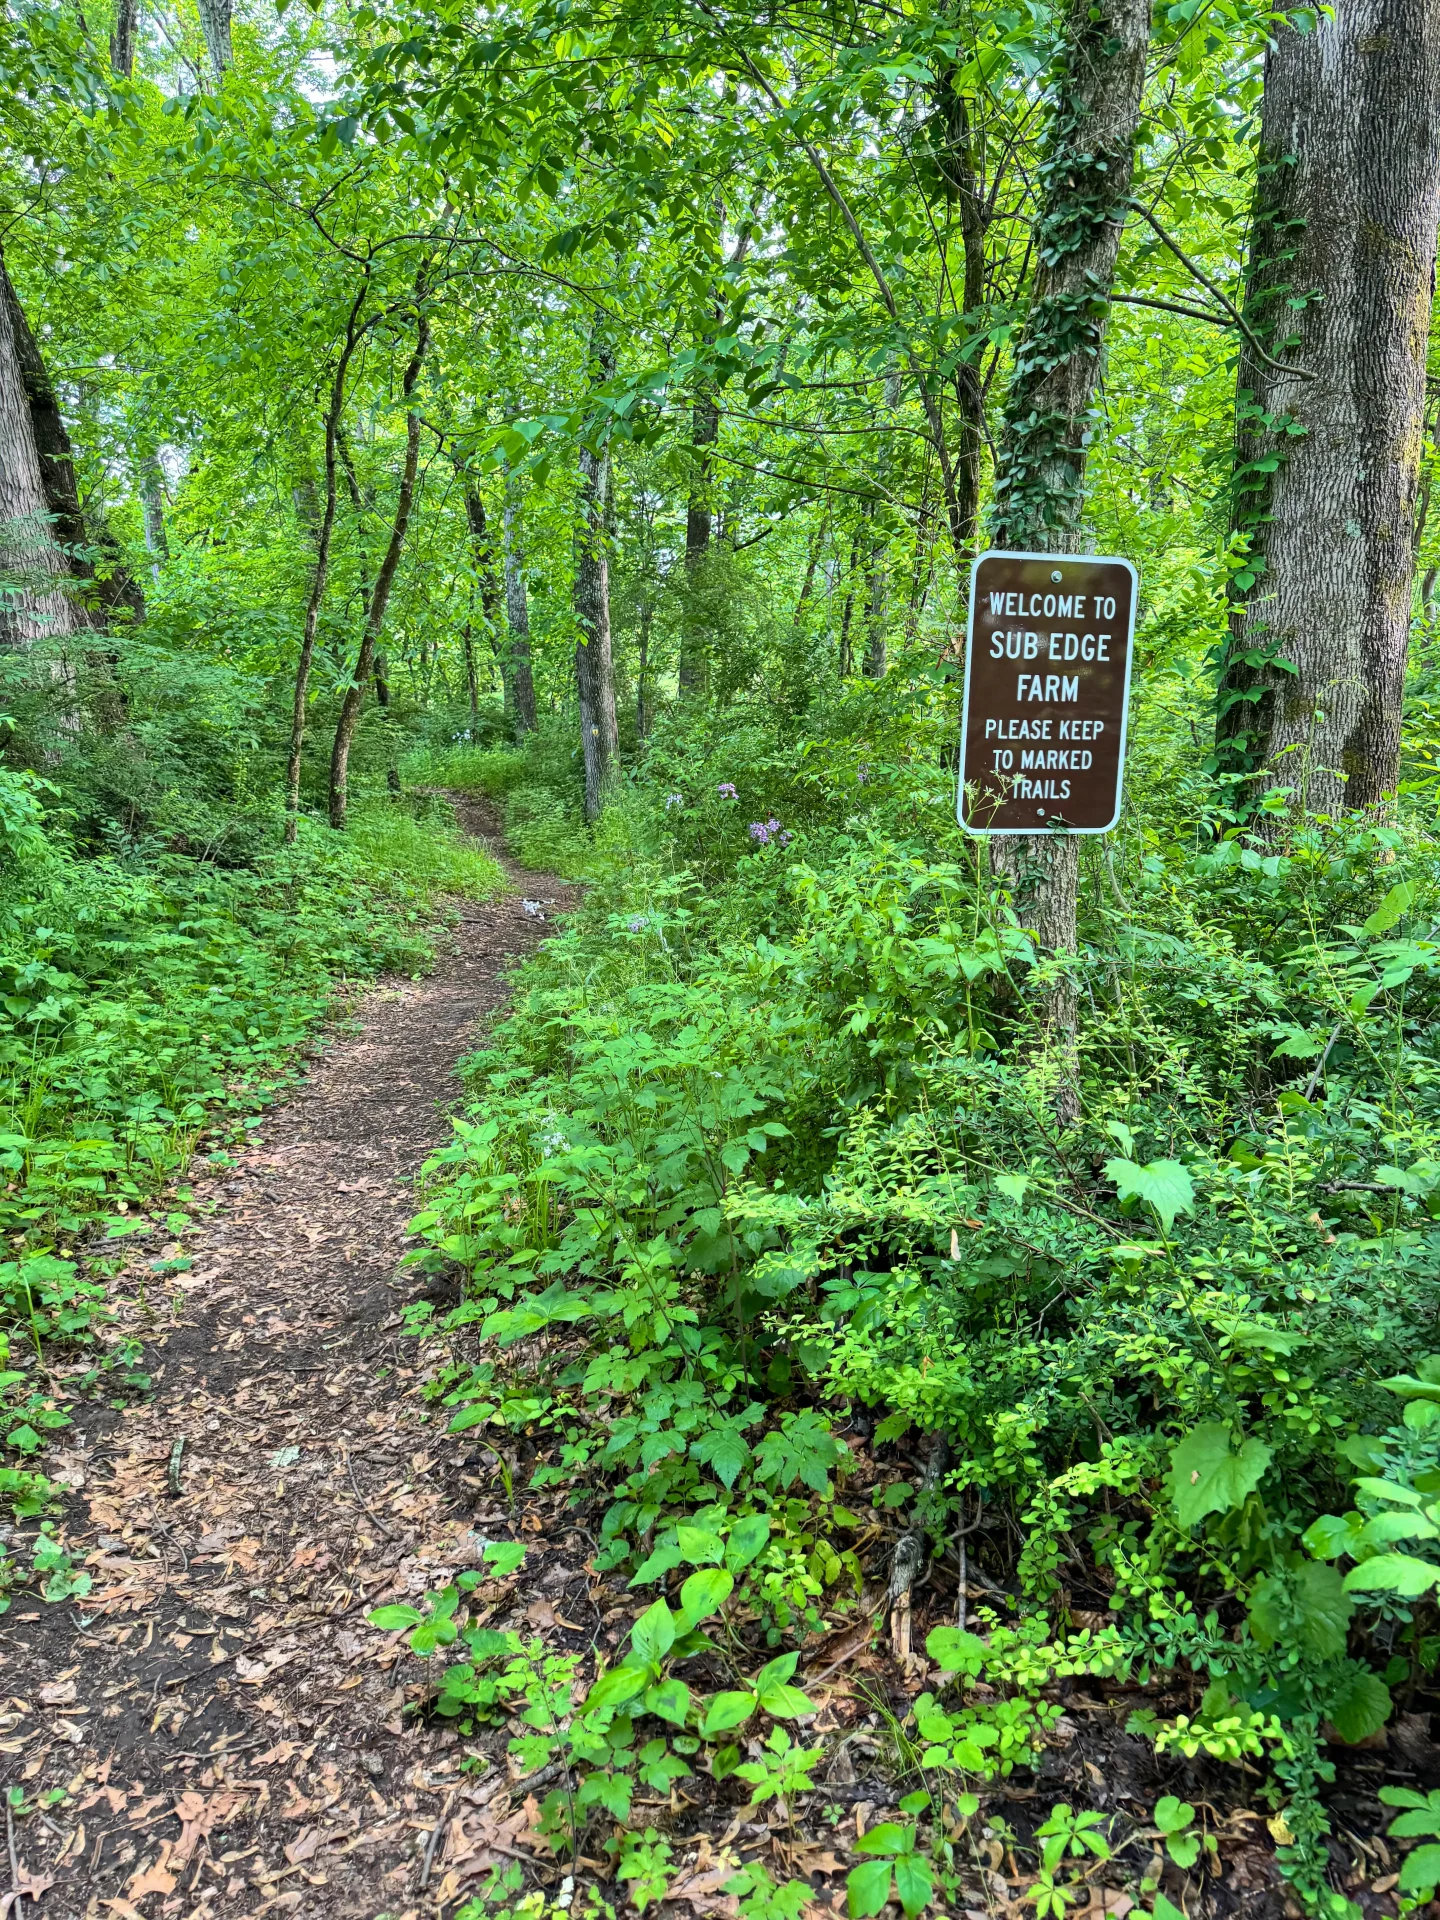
(61, 1694)
(156, 1878)
(122, 1907)
(311, 1840)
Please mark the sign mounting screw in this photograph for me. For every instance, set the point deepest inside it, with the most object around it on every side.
(1057, 576)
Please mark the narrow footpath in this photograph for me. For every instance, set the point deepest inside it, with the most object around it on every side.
(221, 1730)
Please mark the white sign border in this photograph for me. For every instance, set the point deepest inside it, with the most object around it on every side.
(1058, 559)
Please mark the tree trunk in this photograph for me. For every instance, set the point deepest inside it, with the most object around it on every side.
(152, 500)
(517, 614)
(215, 23)
(964, 187)
(594, 666)
(472, 677)
(334, 417)
(113, 588)
(36, 602)
(847, 663)
(1050, 412)
(122, 40)
(354, 700)
(694, 675)
(1344, 224)
(642, 685)
(482, 553)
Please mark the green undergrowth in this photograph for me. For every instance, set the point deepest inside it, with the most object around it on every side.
(771, 1137)
(149, 1000)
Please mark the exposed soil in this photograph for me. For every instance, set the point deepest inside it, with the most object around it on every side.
(233, 1737)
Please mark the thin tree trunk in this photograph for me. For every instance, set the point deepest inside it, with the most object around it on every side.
(215, 24)
(334, 414)
(877, 582)
(642, 688)
(472, 677)
(693, 677)
(152, 500)
(1050, 409)
(354, 700)
(807, 585)
(122, 40)
(517, 613)
(965, 187)
(482, 553)
(382, 700)
(1340, 281)
(594, 664)
(847, 664)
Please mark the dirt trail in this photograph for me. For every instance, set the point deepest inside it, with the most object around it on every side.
(226, 1726)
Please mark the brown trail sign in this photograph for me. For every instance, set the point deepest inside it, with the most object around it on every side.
(1047, 688)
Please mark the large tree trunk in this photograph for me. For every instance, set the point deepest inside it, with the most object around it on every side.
(215, 23)
(965, 187)
(1345, 214)
(122, 39)
(1050, 410)
(594, 666)
(517, 614)
(354, 700)
(112, 587)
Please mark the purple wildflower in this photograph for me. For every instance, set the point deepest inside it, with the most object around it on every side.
(726, 790)
(638, 923)
(674, 800)
(764, 830)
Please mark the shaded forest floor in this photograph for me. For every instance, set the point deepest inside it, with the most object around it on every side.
(233, 1738)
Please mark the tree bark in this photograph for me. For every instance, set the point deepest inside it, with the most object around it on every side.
(594, 666)
(35, 604)
(694, 675)
(1050, 412)
(965, 187)
(152, 501)
(122, 40)
(517, 613)
(334, 416)
(215, 24)
(354, 700)
(1344, 223)
(112, 589)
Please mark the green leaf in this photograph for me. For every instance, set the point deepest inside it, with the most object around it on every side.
(703, 1593)
(504, 1557)
(1304, 1606)
(955, 1651)
(1392, 909)
(1206, 1477)
(725, 1711)
(653, 1634)
(913, 1883)
(1172, 1815)
(670, 1700)
(748, 1537)
(888, 1837)
(1398, 1573)
(725, 1450)
(1164, 1185)
(390, 1619)
(867, 1888)
(1421, 1870)
(1166, 1909)
(1331, 1535)
(472, 1416)
(1360, 1705)
(699, 1546)
(784, 1703)
(615, 1689)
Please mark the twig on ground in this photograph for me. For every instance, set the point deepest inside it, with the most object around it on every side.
(172, 1473)
(434, 1841)
(360, 1498)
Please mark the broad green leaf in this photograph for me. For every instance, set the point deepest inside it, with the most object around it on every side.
(1421, 1870)
(1398, 1573)
(472, 1416)
(1391, 910)
(653, 1634)
(784, 1703)
(1386, 1528)
(670, 1700)
(913, 1883)
(748, 1537)
(615, 1689)
(1206, 1477)
(867, 1888)
(1172, 1815)
(699, 1547)
(1424, 1822)
(392, 1618)
(1304, 1606)
(1164, 1185)
(504, 1557)
(1360, 1706)
(1331, 1535)
(888, 1837)
(725, 1711)
(703, 1593)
